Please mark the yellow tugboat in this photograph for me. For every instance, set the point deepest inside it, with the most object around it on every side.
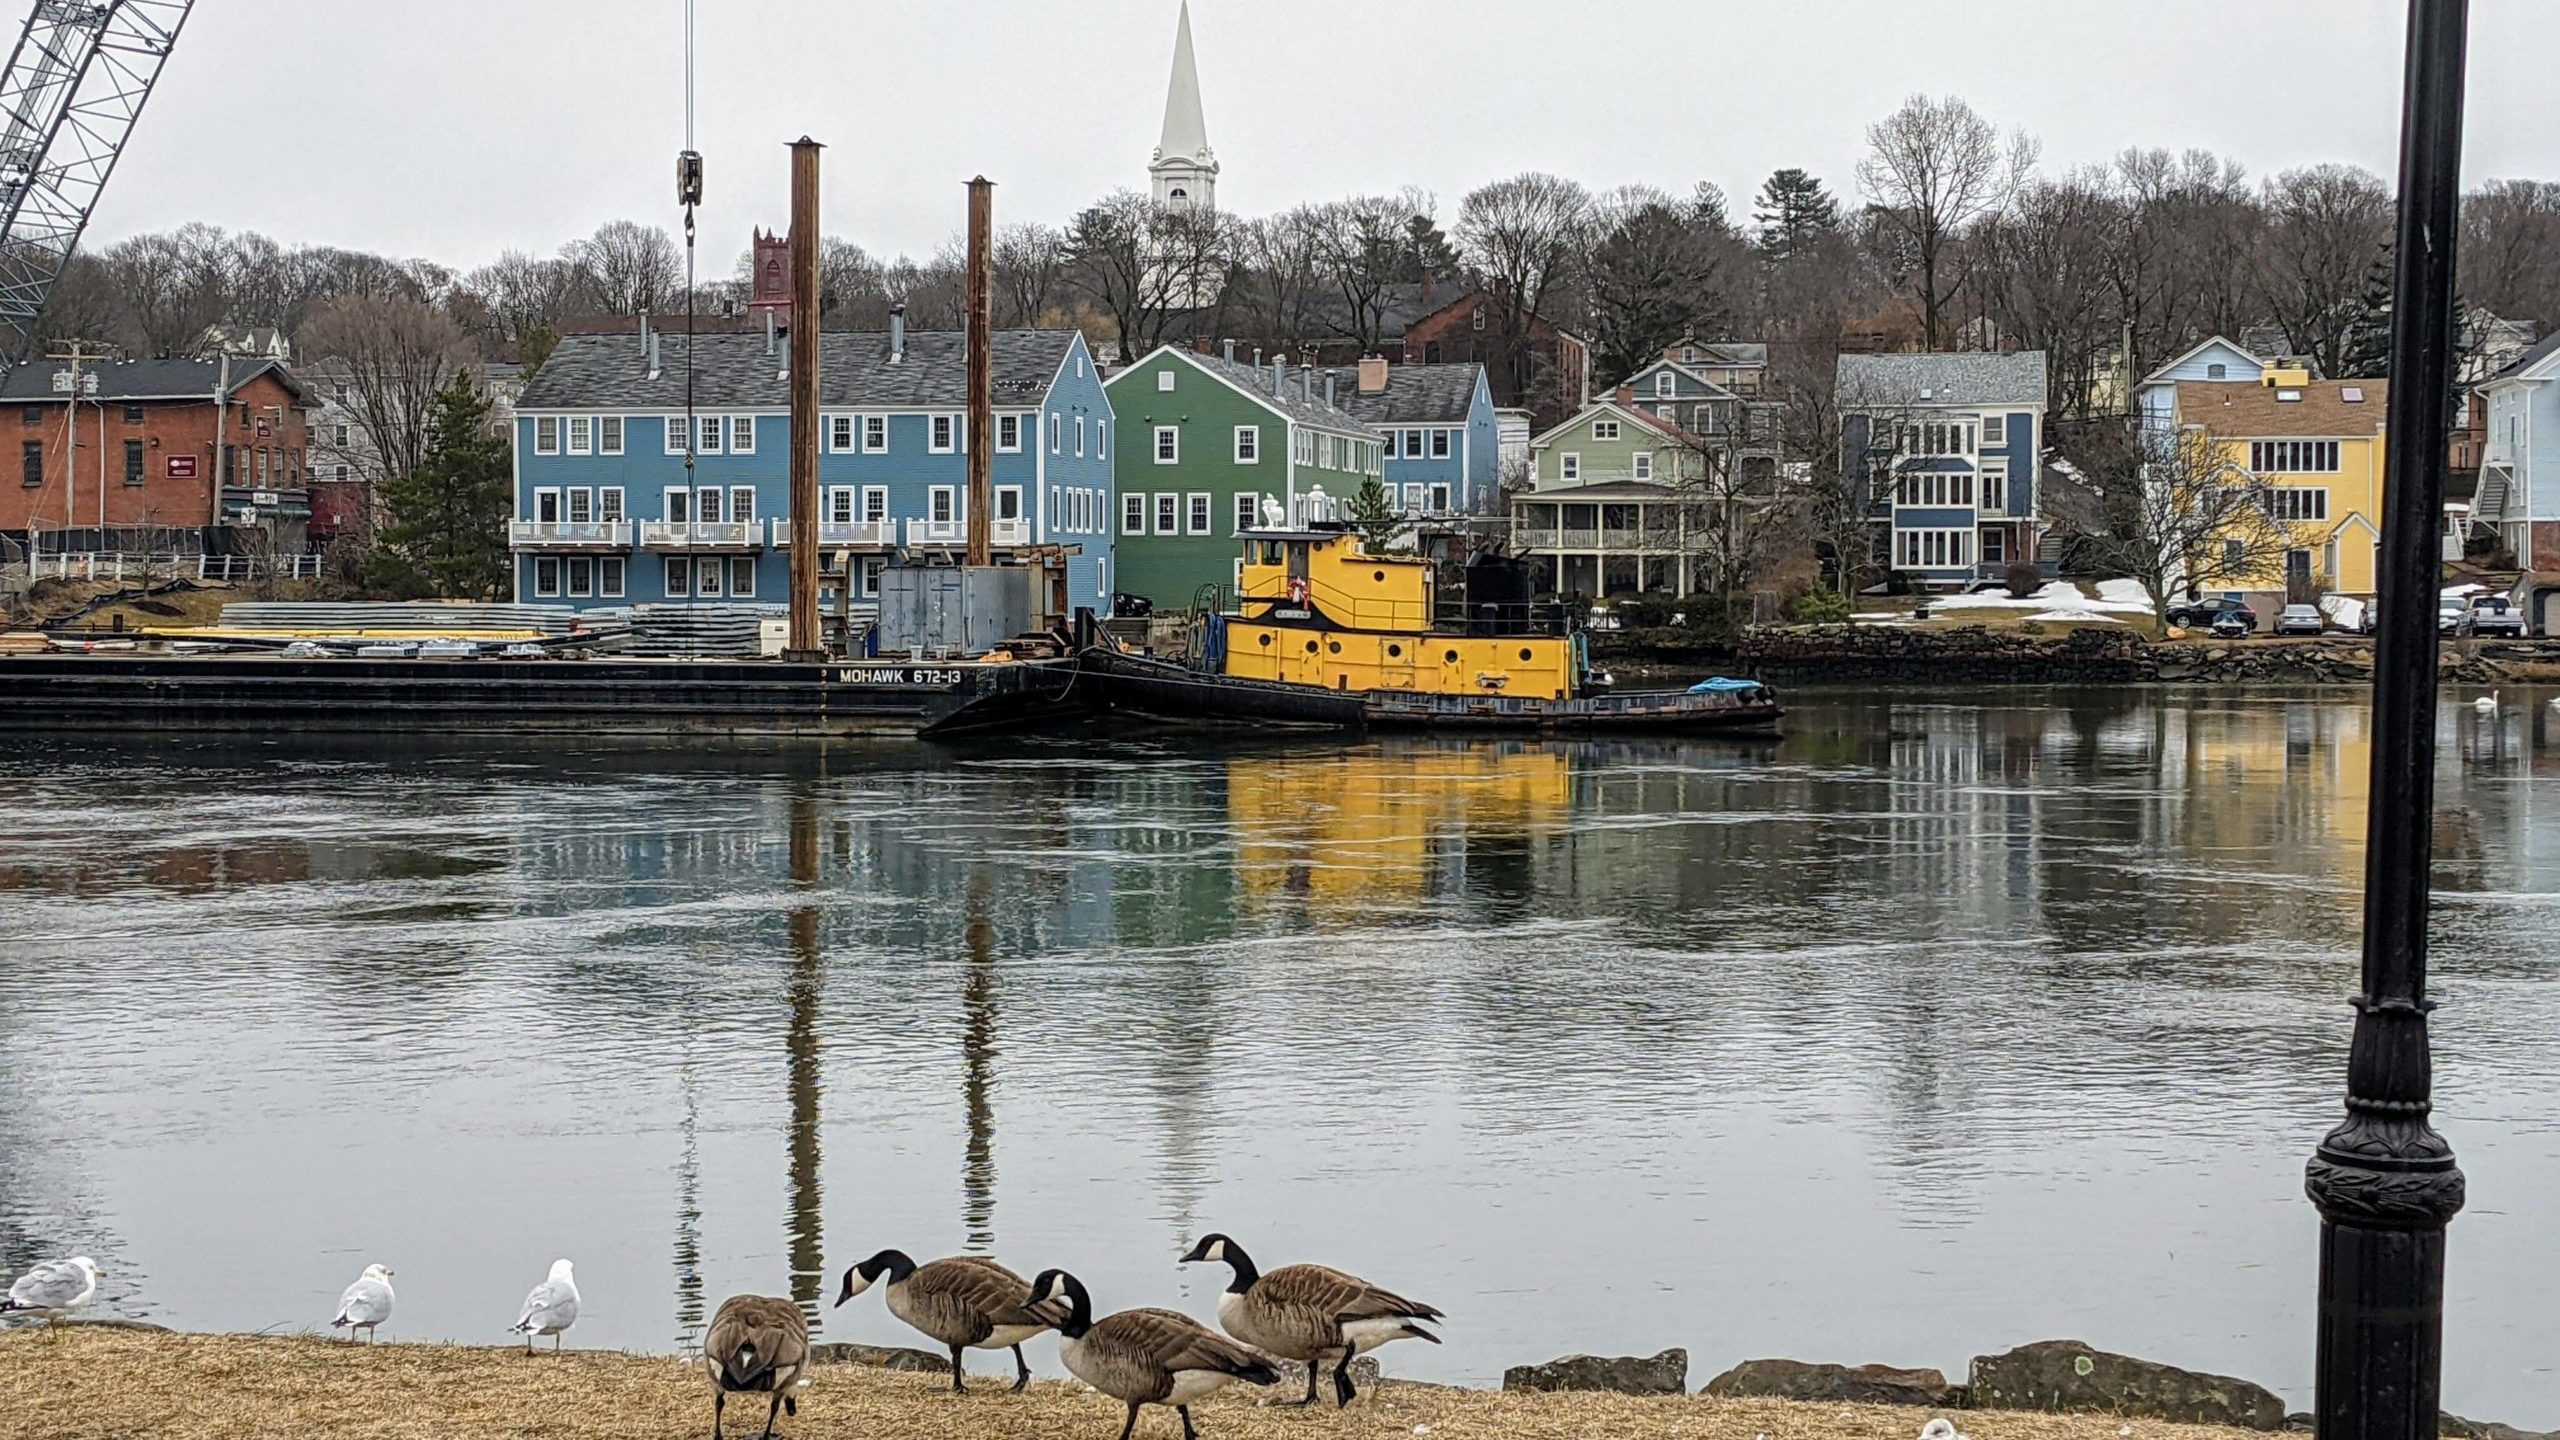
(1326, 633)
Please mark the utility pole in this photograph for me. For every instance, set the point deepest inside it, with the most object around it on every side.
(804, 645)
(76, 353)
(982, 395)
(221, 438)
(2385, 1182)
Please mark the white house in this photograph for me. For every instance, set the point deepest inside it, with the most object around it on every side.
(2520, 459)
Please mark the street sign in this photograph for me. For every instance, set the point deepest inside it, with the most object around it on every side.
(182, 467)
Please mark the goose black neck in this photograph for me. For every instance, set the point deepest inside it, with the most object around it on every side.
(1079, 1308)
(1246, 1275)
(893, 1263)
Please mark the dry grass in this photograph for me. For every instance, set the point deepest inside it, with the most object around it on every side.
(98, 1384)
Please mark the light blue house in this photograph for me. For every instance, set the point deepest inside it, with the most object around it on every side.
(2519, 490)
(1943, 449)
(1442, 444)
(2214, 358)
(609, 512)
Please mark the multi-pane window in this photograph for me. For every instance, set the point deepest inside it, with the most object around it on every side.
(1247, 511)
(742, 504)
(609, 577)
(710, 436)
(875, 434)
(840, 433)
(679, 576)
(742, 576)
(675, 434)
(1643, 465)
(1133, 514)
(875, 504)
(2293, 457)
(840, 504)
(1995, 431)
(582, 435)
(1008, 433)
(582, 506)
(2304, 503)
(706, 506)
(1439, 444)
(1934, 487)
(546, 575)
(1571, 467)
(1248, 444)
(1604, 429)
(1168, 445)
(1168, 514)
(1199, 517)
(133, 462)
(742, 434)
(1932, 549)
(1938, 437)
(944, 433)
(1665, 384)
(608, 435)
(582, 576)
(609, 504)
(943, 505)
(546, 435)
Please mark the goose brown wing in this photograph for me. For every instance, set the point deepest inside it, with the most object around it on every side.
(757, 1343)
(988, 1289)
(1174, 1341)
(1322, 1290)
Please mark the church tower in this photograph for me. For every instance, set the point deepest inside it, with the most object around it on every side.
(1185, 170)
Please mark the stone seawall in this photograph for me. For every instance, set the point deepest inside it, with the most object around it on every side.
(1977, 655)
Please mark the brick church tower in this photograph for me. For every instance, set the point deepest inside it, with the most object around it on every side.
(772, 290)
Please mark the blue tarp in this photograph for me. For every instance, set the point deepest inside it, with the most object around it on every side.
(1722, 683)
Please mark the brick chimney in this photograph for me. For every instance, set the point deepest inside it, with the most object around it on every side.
(1626, 395)
(1373, 374)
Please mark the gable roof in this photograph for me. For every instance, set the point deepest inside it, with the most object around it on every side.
(1721, 352)
(2246, 409)
(1415, 394)
(2533, 356)
(1952, 378)
(1714, 390)
(2160, 374)
(590, 372)
(135, 380)
(1256, 384)
(1634, 414)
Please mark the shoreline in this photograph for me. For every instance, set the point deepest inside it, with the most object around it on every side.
(96, 1381)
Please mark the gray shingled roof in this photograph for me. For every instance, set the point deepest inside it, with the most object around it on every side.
(1959, 378)
(2534, 355)
(1289, 401)
(143, 379)
(1415, 394)
(592, 371)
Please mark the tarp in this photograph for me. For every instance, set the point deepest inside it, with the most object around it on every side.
(1716, 684)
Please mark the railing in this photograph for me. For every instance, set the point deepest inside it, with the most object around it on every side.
(841, 534)
(570, 534)
(1535, 536)
(254, 567)
(956, 532)
(701, 534)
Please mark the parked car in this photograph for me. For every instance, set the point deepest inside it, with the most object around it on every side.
(2201, 614)
(2300, 620)
(2229, 625)
(2452, 617)
(2495, 615)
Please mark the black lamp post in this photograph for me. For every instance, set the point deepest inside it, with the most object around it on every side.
(2384, 1180)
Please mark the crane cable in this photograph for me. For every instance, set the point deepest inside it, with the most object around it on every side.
(689, 194)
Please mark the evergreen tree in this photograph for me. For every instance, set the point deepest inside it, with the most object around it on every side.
(445, 532)
(1431, 252)
(1792, 210)
(1372, 512)
(2366, 351)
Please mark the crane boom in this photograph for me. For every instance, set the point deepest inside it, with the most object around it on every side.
(73, 88)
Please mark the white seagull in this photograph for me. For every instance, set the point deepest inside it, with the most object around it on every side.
(551, 1308)
(53, 1289)
(1942, 1429)
(366, 1304)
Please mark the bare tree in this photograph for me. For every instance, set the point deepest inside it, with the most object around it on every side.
(1935, 167)
(1660, 269)
(1029, 262)
(2176, 513)
(2324, 227)
(397, 354)
(1736, 516)
(521, 292)
(2051, 283)
(1524, 238)
(1365, 246)
(634, 267)
(2511, 250)
(1284, 258)
(1140, 263)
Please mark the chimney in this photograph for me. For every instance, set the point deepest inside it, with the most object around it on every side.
(1279, 375)
(646, 339)
(1228, 351)
(1328, 387)
(1307, 382)
(898, 333)
(1373, 374)
(768, 332)
(655, 369)
(1626, 395)
(1426, 287)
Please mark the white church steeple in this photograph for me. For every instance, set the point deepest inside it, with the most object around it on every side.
(1184, 168)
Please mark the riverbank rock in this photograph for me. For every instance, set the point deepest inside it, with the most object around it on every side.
(1663, 1374)
(1845, 1384)
(2454, 1427)
(2074, 1375)
(881, 1357)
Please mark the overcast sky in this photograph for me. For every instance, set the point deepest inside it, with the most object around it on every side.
(452, 129)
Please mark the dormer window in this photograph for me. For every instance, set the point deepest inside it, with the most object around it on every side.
(1664, 384)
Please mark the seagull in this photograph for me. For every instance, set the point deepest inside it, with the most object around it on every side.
(366, 1304)
(1942, 1429)
(2486, 704)
(551, 1308)
(54, 1289)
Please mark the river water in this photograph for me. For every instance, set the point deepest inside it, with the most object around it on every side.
(1940, 1026)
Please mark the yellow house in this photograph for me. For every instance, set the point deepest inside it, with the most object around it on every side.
(2314, 448)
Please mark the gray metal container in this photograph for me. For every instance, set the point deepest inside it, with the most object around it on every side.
(946, 610)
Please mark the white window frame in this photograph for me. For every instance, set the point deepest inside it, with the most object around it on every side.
(1164, 380)
(578, 577)
(2297, 504)
(742, 427)
(1248, 510)
(1640, 465)
(1133, 513)
(609, 504)
(1168, 444)
(1248, 444)
(546, 505)
(841, 500)
(1057, 433)
(1101, 441)
(875, 504)
(709, 434)
(709, 573)
(1199, 512)
(1004, 493)
(2295, 457)
(675, 434)
(1666, 386)
(608, 434)
(1569, 466)
(1995, 431)
(742, 504)
(612, 577)
(1604, 430)
(542, 565)
(742, 567)
(1934, 548)
(942, 435)
(546, 434)
(582, 435)
(1009, 434)
(841, 430)
(1992, 539)
(875, 434)
(868, 573)
(1439, 497)
(1168, 512)
(1079, 437)
(707, 505)
(578, 505)
(1440, 445)
(677, 565)
(944, 499)
(672, 500)
(1388, 444)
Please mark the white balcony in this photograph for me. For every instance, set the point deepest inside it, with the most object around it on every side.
(569, 534)
(701, 534)
(956, 532)
(842, 534)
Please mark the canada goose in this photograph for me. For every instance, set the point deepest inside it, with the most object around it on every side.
(1146, 1357)
(366, 1304)
(2486, 704)
(1308, 1312)
(549, 1307)
(53, 1289)
(757, 1345)
(966, 1302)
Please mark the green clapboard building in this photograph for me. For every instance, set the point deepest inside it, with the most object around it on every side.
(1203, 439)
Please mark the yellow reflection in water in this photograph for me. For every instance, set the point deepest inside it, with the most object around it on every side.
(1368, 827)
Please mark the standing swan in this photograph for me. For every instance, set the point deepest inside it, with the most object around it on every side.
(1146, 1357)
(1309, 1312)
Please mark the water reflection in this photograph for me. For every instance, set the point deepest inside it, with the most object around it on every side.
(1938, 1027)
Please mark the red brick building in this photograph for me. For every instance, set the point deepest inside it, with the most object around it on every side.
(1547, 370)
(143, 456)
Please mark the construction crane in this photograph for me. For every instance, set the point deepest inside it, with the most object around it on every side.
(74, 87)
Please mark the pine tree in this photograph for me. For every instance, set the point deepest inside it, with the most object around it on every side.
(446, 528)
(1792, 210)
(1372, 512)
(2366, 351)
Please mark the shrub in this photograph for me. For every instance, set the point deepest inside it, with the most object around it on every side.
(2023, 579)
(1819, 607)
